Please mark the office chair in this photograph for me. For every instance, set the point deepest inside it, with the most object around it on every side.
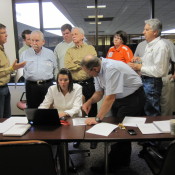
(26, 157)
(22, 103)
(160, 164)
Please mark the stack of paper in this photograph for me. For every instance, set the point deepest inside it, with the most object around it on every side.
(155, 128)
(14, 126)
(17, 130)
(133, 121)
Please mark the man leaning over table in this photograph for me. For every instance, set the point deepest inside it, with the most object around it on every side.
(5, 71)
(123, 95)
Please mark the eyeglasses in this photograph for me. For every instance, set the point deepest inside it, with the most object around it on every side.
(3, 33)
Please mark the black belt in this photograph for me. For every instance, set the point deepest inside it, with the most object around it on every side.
(39, 82)
(3, 86)
(90, 80)
(146, 77)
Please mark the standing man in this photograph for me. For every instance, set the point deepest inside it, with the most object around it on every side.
(168, 90)
(61, 48)
(26, 39)
(39, 69)
(123, 95)
(73, 59)
(154, 65)
(5, 71)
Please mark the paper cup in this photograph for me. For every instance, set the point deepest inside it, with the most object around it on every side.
(172, 126)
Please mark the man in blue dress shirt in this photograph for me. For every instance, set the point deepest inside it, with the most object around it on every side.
(123, 95)
(39, 69)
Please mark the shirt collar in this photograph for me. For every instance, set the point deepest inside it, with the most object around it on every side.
(2, 48)
(79, 46)
(154, 41)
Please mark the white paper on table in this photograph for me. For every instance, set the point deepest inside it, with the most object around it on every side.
(163, 126)
(79, 121)
(133, 121)
(103, 129)
(148, 128)
(22, 120)
(4, 126)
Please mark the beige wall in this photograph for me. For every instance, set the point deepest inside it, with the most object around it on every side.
(6, 18)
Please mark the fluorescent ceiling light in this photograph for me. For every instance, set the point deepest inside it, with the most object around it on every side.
(169, 31)
(92, 16)
(99, 6)
(94, 23)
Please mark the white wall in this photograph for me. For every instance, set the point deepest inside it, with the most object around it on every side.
(6, 18)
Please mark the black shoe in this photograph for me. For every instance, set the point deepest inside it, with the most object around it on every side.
(93, 145)
(76, 144)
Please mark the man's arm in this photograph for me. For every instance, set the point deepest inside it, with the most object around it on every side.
(104, 109)
(97, 96)
(106, 106)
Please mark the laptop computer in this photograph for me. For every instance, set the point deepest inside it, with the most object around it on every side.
(47, 117)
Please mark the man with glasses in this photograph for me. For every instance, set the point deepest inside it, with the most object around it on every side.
(5, 71)
(39, 70)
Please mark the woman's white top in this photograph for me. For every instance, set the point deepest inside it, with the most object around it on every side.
(70, 103)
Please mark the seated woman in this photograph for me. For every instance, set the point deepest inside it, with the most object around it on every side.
(120, 51)
(65, 96)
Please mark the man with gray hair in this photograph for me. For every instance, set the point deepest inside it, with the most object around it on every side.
(72, 60)
(154, 65)
(39, 69)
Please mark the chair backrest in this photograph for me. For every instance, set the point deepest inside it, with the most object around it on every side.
(22, 103)
(26, 158)
(168, 167)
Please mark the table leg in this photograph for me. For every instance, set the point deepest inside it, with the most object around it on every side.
(106, 157)
(63, 158)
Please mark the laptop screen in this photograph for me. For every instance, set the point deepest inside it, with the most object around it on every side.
(37, 116)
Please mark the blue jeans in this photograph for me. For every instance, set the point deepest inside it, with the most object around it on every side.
(152, 87)
(5, 109)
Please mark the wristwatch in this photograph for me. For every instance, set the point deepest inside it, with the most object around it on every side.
(97, 119)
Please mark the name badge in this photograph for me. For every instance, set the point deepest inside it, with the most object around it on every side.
(110, 54)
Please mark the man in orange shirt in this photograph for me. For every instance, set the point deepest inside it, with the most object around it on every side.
(120, 51)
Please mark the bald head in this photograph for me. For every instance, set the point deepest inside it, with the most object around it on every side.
(90, 61)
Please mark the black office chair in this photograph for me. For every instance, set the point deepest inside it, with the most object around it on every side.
(26, 157)
(160, 164)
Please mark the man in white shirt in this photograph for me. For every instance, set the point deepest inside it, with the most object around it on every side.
(61, 48)
(154, 65)
(167, 100)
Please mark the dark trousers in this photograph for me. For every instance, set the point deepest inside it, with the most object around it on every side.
(5, 107)
(88, 91)
(132, 105)
(35, 93)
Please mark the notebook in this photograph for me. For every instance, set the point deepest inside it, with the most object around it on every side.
(17, 130)
(37, 116)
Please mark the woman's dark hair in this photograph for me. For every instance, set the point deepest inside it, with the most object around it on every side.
(65, 71)
(122, 35)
